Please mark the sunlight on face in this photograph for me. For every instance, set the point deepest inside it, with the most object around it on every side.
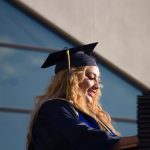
(91, 83)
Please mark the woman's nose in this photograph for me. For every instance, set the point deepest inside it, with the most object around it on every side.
(96, 85)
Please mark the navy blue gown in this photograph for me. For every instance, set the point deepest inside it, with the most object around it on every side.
(59, 126)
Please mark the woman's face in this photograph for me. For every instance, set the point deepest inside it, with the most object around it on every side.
(91, 83)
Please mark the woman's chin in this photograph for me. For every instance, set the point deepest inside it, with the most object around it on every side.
(89, 99)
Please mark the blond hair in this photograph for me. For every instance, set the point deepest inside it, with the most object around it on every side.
(56, 89)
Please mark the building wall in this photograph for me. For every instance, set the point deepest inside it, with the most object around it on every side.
(122, 29)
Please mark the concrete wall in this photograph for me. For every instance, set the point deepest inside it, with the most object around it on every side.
(121, 26)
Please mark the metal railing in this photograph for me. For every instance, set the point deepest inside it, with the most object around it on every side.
(28, 111)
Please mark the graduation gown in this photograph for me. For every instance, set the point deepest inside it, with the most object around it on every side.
(59, 126)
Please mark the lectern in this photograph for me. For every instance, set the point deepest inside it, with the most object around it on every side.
(143, 115)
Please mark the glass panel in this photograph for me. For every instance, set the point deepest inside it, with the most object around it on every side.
(21, 77)
(13, 130)
(126, 129)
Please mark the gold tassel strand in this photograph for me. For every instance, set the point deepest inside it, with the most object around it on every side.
(68, 81)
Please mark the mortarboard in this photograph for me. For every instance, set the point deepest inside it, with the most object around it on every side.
(78, 57)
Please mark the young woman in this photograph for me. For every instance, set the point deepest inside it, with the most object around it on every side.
(68, 115)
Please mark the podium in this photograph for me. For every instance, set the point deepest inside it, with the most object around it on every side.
(143, 120)
(127, 143)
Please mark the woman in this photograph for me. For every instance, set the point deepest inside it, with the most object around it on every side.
(68, 116)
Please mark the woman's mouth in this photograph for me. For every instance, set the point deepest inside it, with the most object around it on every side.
(91, 93)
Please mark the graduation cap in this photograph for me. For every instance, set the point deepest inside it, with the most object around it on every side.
(71, 57)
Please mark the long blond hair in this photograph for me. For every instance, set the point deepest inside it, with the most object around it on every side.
(57, 89)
